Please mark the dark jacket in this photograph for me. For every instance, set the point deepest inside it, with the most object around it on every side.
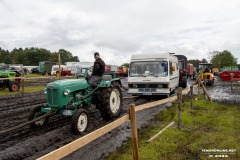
(99, 67)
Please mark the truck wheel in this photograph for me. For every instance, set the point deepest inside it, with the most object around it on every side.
(80, 121)
(13, 86)
(35, 113)
(111, 101)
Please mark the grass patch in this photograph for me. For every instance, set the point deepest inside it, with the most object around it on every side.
(208, 126)
(27, 89)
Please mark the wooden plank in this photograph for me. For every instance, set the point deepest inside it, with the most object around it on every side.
(155, 103)
(236, 79)
(134, 131)
(186, 91)
(73, 146)
(155, 136)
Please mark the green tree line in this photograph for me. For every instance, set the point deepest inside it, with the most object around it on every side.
(218, 59)
(32, 56)
(224, 58)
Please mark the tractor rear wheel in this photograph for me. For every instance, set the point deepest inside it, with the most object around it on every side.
(80, 121)
(35, 113)
(111, 101)
(14, 86)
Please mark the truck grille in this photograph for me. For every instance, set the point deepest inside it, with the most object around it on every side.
(145, 85)
(52, 96)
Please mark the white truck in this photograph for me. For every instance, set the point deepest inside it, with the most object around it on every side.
(153, 74)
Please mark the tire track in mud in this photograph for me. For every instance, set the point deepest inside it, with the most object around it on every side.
(20, 144)
(26, 143)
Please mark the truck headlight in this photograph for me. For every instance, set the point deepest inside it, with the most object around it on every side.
(66, 92)
(134, 85)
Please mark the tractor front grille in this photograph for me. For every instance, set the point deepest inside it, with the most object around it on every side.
(52, 96)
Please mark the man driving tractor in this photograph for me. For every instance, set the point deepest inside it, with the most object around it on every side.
(98, 70)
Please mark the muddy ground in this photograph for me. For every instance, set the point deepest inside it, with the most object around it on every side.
(31, 144)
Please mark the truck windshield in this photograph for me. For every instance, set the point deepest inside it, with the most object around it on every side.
(148, 69)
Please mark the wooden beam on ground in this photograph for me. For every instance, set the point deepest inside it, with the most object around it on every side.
(205, 90)
(151, 139)
(73, 146)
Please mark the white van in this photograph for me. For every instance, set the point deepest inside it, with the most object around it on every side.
(153, 74)
(55, 68)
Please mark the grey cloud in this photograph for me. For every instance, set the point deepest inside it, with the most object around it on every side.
(122, 45)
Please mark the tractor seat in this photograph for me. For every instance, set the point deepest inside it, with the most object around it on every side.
(106, 77)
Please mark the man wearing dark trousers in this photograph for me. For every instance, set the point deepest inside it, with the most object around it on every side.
(98, 70)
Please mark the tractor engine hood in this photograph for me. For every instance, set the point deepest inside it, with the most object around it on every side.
(56, 91)
(70, 84)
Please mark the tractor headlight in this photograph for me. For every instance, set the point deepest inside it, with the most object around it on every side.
(45, 91)
(66, 92)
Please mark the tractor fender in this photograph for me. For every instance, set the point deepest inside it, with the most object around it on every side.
(107, 83)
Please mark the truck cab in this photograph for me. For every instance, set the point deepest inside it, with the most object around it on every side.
(153, 74)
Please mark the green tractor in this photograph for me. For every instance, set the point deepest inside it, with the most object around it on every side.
(73, 97)
(12, 84)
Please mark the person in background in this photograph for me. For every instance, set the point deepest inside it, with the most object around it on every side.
(98, 70)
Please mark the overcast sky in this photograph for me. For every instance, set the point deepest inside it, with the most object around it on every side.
(119, 28)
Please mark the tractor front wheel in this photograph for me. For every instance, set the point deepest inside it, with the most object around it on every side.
(35, 113)
(14, 86)
(80, 121)
(111, 101)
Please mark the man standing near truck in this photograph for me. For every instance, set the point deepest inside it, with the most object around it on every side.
(98, 70)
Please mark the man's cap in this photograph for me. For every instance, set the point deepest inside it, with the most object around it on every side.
(96, 53)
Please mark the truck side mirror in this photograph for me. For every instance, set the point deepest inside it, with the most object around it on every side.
(173, 68)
